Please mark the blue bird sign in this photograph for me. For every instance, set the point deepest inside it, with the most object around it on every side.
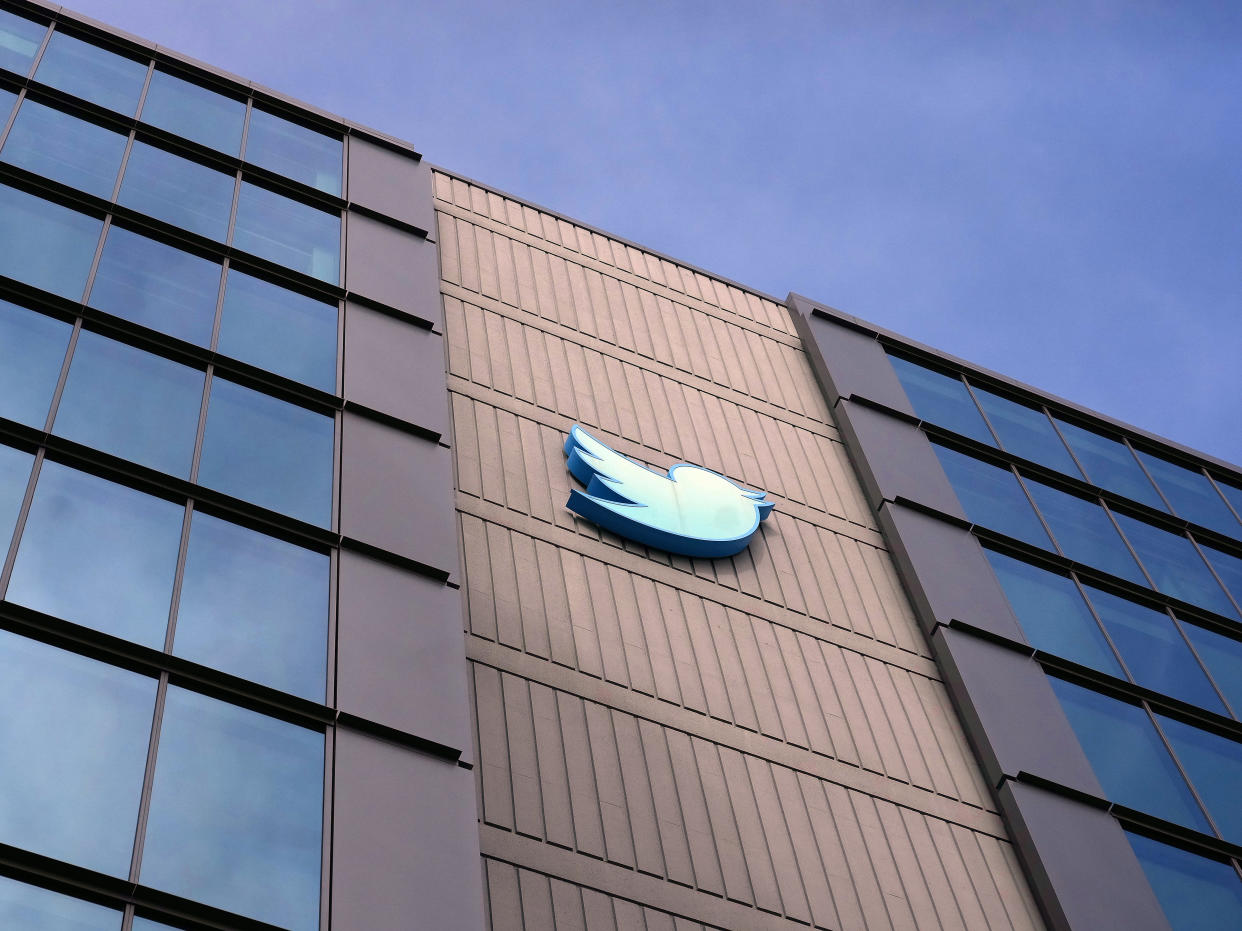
(691, 510)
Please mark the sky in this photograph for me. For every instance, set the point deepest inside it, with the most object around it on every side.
(1050, 190)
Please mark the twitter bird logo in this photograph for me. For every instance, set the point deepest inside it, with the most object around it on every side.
(690, 510)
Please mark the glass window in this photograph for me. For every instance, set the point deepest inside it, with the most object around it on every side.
(14, 476)
(236, 811)
(131, 403)
(941, 399)
(33, 908)
(279, 330)
(45, 244)
(1128, 756)
(1084, 532)
(1234, 496)
(178, 191)
(269, 452)
(194, 112)
(64, 148)
(1110, 465)
(1192, 495)
(1153, 648)
(74, 748)
(98, 554)
(294, 151)
(1223, 657)
(288, 232)
(1053, 614)
(1214, 767)
(92, 73)
(1175, 566)
(254, 606)
(32, 350)
(7, 99)
(146, 924)
(1026, 432)
(992, 496)
(19, 41)
(158, 286)
(1197, 894)
(1228, 568)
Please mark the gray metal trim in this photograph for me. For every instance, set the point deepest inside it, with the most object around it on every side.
(395, 184)
(388, 265)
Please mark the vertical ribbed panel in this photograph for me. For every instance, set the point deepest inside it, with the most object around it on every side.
(666, 743)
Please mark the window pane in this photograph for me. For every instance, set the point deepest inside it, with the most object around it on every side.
(7, 99)
(15, 468)
(19, 40)
(1110, 465)
(1197, 894)
(92, 73)
(1053, 614)
(992, 496)
(64, 148)
(1228, 567)
(1026, 432)
(1154, 650)
(132, 404)
(269, 452)
(279, 330)
(236, 811)
(177, 191)
(288, 232)
(254, 606)
(941, 399)
(1128, 757)
(1175, 566)
(156, 285)
(294, 151)
(1233, 494)
(1192, 495)
(1085, 533)
(45, 244)
(32, 908)
(98, 554)
(146, 924)
(73, 759)
(1223, 657)
(32, 350)
(194, 112)
(1214, 765)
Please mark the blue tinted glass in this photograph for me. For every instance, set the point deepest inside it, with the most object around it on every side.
(1223, 657)
(32, 908)
(1175, 566)
(1110, 465)
(32, 350)
(1214, 767)
(254, 606)
(1196, 894)
(1154, 650)
(177, 191)
(157, 286)
(7, 99)
(194, 112)
(45, 244)
(132, 404)
(71, 762)
(269, 452)
(279, 330)
(14, 476)
(19, 41)
(1192, 495)
(146, 924)
(1128, 757)
(1228, 568)
(992, 496)
(941, 399)
(1234, 496)
(288, 233)
(92, 73)
(236, 811)
(98, 554)
(64, 148)
(1026, 432)
(1085, 533)
(294, 151)
(1053, 614)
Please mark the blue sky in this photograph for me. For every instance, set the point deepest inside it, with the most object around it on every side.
(1051, 190)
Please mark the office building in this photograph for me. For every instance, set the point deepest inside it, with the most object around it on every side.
(297, 631)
